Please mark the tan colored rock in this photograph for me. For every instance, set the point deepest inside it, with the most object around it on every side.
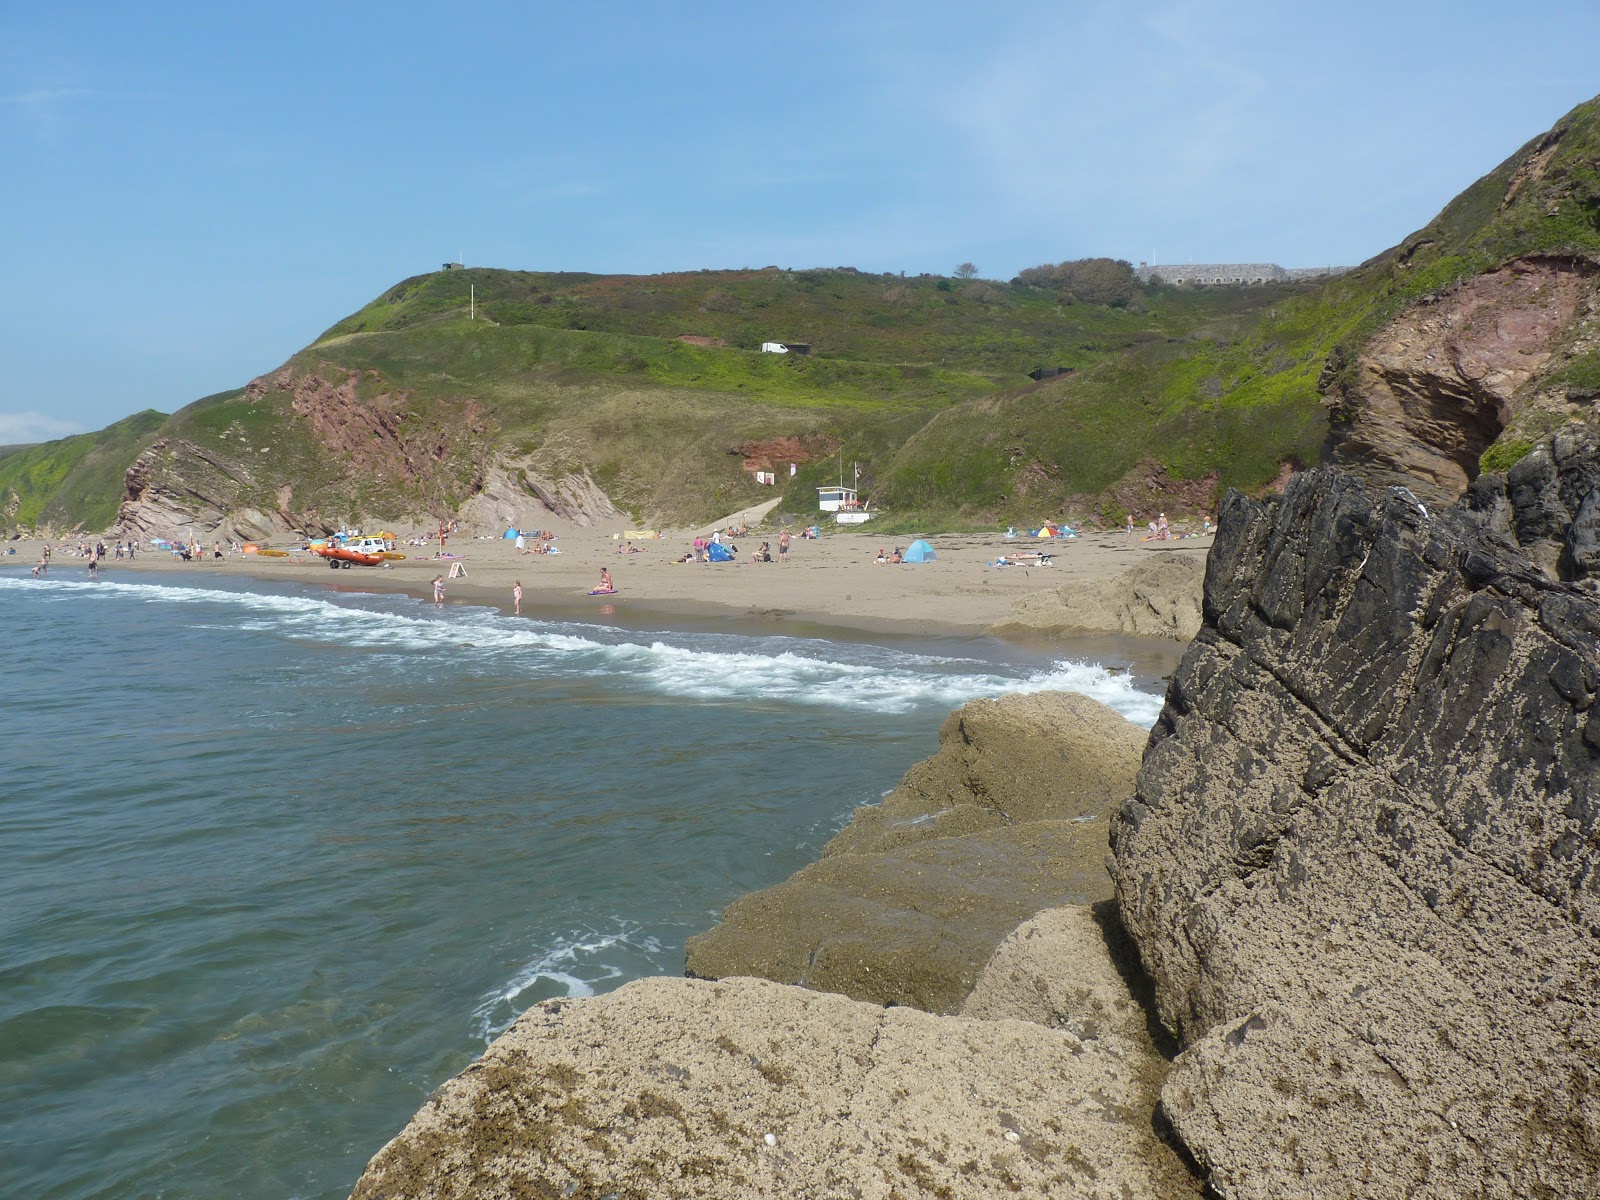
(909, 901)
(912, 926)
(1160, 597)
(1061, 968)
(1021, 757)
(1074, 969)
(744, 1088)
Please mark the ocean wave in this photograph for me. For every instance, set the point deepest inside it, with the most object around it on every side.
(699, 666)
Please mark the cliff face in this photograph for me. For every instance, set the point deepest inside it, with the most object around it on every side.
(312, 448)
(1438, 385)
(1363, 863)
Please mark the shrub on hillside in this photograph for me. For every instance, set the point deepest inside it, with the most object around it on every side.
(1108, 281)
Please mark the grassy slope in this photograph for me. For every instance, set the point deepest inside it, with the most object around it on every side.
(976, 325)
(921, 380)
(1242, 396)
(654, 419)
(75, 482)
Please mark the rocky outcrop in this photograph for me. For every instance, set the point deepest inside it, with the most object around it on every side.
(1075, 969)
(1160, 597)
(513, 493)
(745, 1088)
(1432, 390)
(178, 487)
(908, 902)
(1548, 505)
(1361, 863)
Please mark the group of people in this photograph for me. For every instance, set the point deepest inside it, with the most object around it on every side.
(1160, 530)
(541, 539)
(895, 556)
(95, 552)
(763, 553)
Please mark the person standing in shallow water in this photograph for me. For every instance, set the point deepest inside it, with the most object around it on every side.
(438, 589)
(516, 598)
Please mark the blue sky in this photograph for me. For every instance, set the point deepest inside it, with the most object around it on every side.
(192, 192)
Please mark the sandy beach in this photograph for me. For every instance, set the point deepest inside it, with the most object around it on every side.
(831, 581)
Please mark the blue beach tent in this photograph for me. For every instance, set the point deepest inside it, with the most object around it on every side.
(920, 551)
(717, 552)
(510, 535)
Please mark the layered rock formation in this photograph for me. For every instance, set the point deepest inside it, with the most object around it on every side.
(1361, 864)
(1435, 388)
(339, 447)
(910, 899)
(1160, 597)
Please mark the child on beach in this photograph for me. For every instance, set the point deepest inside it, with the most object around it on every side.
(516, 598)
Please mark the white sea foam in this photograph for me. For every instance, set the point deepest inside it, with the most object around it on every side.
(572, 965)
(708, 667)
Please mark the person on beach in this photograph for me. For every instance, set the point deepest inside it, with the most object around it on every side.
(438, 589)
(522, 544)
(94, 567)
(1163, 530)
(783, 546)
(1130, 529)
(516, 598)
(605, 581)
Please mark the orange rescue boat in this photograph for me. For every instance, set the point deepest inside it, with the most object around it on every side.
(338, 556)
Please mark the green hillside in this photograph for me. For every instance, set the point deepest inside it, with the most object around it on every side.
(74, 482)
(456, 378)
(657, 423)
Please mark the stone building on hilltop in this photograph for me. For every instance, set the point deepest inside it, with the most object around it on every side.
(1231, 274)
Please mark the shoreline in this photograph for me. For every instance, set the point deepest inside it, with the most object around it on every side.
(831, 584)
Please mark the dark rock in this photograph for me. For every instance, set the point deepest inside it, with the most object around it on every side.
(1363, 864)
(1548, 505)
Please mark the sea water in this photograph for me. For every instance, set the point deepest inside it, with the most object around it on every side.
(276, 861)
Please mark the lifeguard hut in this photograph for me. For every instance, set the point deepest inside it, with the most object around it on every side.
(837, 498)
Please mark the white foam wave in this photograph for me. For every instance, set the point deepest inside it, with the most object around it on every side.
(716, 668)
(572, 965)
